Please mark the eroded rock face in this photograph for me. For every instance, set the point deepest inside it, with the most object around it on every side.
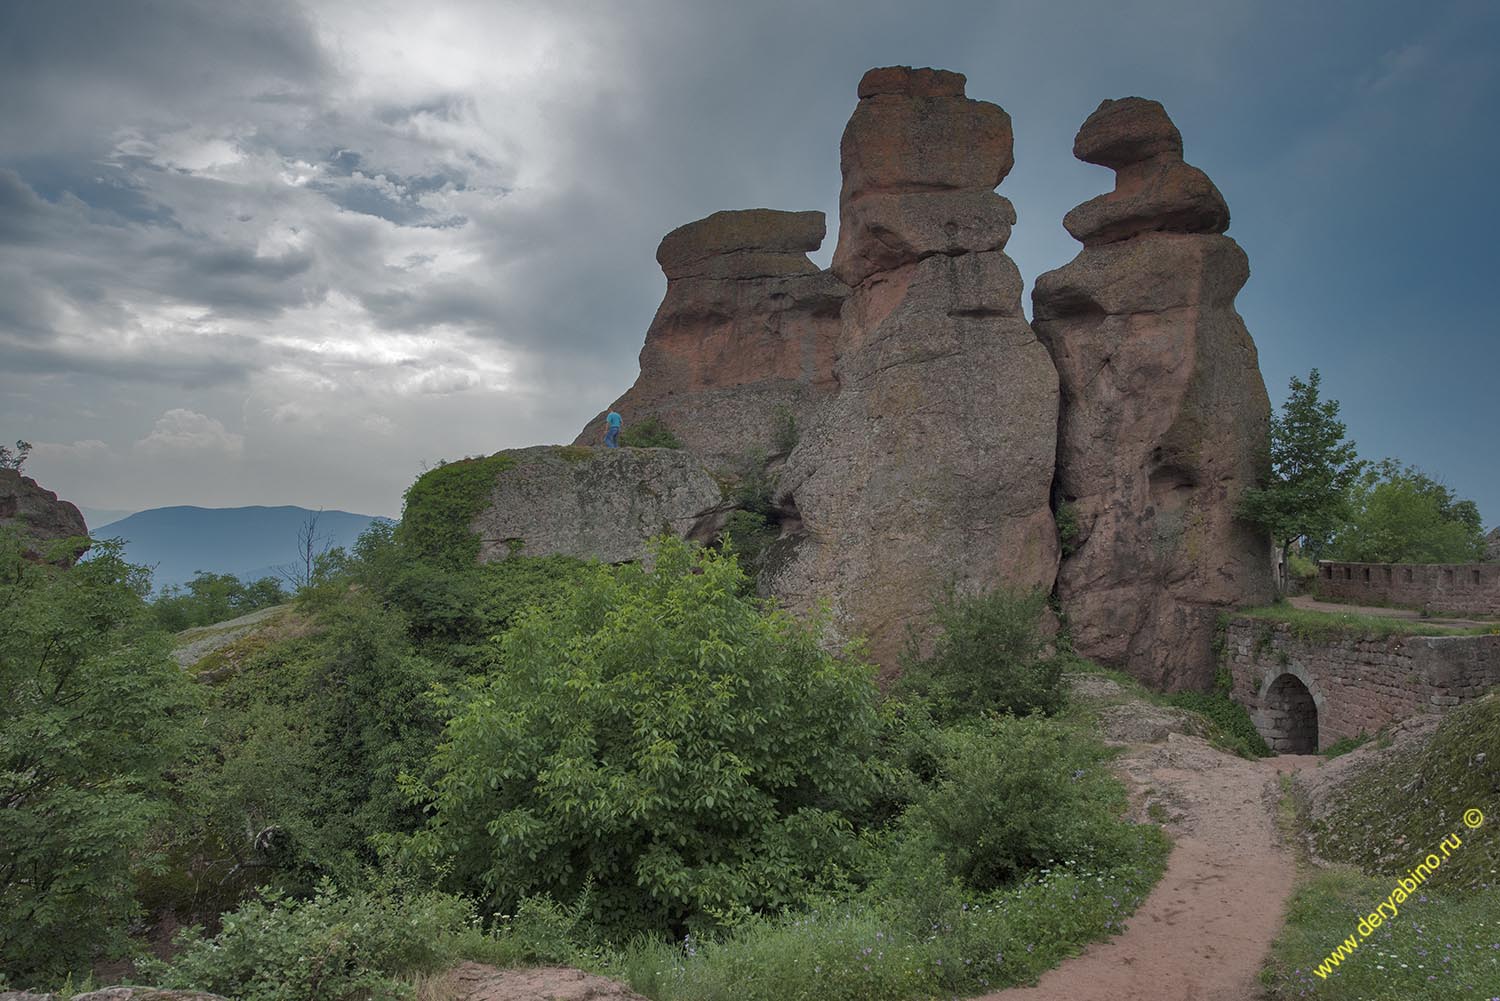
(595, 503)
(744, 336)
(1165, 419)
(934, 461)
(37, 514)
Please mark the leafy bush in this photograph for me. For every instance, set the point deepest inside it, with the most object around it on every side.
(95, 712)
(441, 503)
(748, 534)
(1300, 567)
(1067, 528)
(991, 656)
(649, 433)
(1013, 796)
(661, 736)
(338, 946)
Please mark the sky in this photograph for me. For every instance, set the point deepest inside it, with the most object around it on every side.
(295, 253)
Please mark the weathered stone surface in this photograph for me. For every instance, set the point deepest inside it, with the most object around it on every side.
(37, 514)
(1492, 545)
(933, 463)
(747, 331)
(118, 994)
(595, 503)
(1155, 191)
(1165, 422)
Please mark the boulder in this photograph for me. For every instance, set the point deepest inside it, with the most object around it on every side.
(38, 515)
(1155, 191)
(595, 503)
(1164, 419)
(744, 338)
(932, 464)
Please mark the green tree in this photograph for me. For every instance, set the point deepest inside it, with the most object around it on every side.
(1313, 468)
(95, 711)
(14, 459)
(660, 742)
(213, 597)
(1401, 515)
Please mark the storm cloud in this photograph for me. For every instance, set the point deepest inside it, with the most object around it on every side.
(291, 252)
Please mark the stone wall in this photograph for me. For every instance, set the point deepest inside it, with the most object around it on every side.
(1468, 588)
(1356, 684)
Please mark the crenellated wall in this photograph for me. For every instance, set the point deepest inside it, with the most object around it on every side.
(1468, 588)
(1354, 683)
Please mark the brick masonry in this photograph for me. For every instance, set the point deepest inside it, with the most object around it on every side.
(1354, 684)
(1468, 588)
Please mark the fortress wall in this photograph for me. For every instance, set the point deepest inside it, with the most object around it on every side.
(1358, 683)
(1468, 588)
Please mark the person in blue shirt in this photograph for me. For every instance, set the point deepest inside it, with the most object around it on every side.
(612, 434)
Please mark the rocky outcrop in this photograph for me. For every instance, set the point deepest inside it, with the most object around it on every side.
(595, 503)
(1165, 419)
(1492, 546)
(37, 515)
(744, 338)
(933, 462)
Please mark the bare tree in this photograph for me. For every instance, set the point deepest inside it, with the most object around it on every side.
(311, 546)
(14, 460)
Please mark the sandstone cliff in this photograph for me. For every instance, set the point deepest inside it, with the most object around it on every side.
(37, 514)
(1165, 419)
(743, 339)
(933, 462)
(594, 503)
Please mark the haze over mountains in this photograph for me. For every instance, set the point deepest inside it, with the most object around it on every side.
(249, 542)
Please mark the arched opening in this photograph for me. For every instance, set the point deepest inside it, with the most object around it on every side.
(1291, 717)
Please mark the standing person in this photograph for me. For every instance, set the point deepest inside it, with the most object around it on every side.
(612, 432)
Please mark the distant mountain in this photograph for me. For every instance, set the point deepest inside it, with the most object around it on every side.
(102, 515)
(249, 542)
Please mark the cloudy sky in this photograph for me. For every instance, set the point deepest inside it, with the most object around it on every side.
(290, 253)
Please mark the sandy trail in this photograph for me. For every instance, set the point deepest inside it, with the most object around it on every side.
(1203, 932)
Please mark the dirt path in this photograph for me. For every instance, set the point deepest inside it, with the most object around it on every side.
(1203, 932)
(1314, 605)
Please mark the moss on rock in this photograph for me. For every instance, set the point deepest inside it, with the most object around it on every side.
(443, 501)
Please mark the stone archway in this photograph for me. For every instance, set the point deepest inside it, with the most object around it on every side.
(1289, 716)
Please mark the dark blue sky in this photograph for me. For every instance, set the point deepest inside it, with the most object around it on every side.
(290, 252)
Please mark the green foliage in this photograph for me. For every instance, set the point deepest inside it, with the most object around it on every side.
(211, 597)
(746, 535)
(663, 737)
(1012, 796)
(1313, 468)
(439, 506)
(1301, 567)
(95, 711)
(1236, 731)
(1441, 946)
(1401, 515)
(15, 459)
(1067, 528)
(354, 945)
(990, 657)
(752, 485)
(783, 429)
(1344, 745)
(649, 433)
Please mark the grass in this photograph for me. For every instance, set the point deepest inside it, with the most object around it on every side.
(1316, 626)
(1444, 941)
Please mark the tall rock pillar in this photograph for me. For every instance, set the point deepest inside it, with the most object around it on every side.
(933, 463)
(1165, 419)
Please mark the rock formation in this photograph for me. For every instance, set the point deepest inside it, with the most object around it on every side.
(1492, 545)
(1165, 419)
(933, 462)
(595, 503)
(744, 337)
(37, 514)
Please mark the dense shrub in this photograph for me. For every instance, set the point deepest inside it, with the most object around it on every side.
(1013, 795)
(990, 656)
(649, 433)
(95, 711)
(661, 737)
(337, 946)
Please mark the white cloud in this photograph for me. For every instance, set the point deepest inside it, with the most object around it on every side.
(181, 430)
